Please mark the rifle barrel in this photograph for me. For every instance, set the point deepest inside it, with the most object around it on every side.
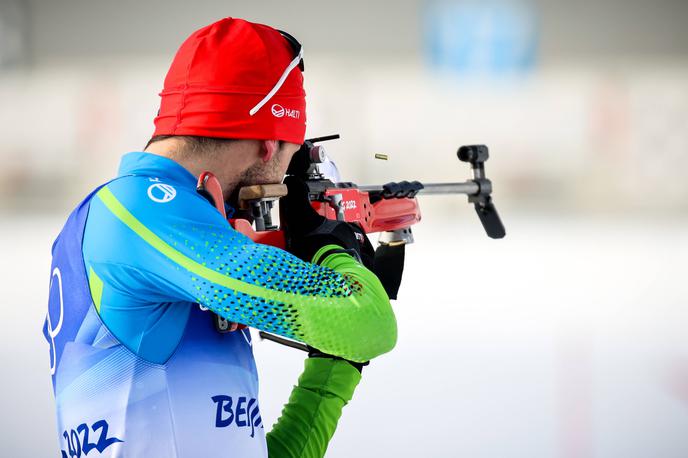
(466, 187)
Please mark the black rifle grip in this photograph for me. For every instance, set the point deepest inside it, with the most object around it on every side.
(490, 219)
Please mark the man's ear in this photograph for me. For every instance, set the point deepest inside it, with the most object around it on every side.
(268, 149)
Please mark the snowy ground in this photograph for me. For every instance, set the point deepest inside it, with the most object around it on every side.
(567, 339)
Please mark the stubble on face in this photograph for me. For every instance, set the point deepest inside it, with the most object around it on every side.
(264, 172)
(260, 173)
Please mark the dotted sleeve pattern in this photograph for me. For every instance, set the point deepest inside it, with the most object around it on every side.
(339, 307)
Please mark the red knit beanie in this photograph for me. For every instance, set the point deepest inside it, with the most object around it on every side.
(235, 79)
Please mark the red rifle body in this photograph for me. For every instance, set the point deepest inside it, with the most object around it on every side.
(356, 207)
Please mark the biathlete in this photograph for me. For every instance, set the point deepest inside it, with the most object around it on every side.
(144, 262)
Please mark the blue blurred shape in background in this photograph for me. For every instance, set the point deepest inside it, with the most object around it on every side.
(492, 38)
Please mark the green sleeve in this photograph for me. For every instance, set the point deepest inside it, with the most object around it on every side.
(310, 418)
(366, 319)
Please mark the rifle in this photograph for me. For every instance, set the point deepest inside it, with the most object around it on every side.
(389, 209)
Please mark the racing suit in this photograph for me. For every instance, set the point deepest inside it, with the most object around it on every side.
(138, 368)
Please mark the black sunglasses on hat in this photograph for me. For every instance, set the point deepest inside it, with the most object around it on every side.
(296, 61)
(295, 46)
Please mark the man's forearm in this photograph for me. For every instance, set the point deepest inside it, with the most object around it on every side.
(310, 418)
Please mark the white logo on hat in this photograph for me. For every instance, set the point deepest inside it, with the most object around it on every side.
(278, 111)
(161, 192)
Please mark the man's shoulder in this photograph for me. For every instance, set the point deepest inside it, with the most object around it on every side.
(136, 209)
(150, 198)
(127, 215)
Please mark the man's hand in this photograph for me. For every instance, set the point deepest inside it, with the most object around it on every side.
(307, 231)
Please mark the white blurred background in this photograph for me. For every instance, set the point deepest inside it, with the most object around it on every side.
(565, 339)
